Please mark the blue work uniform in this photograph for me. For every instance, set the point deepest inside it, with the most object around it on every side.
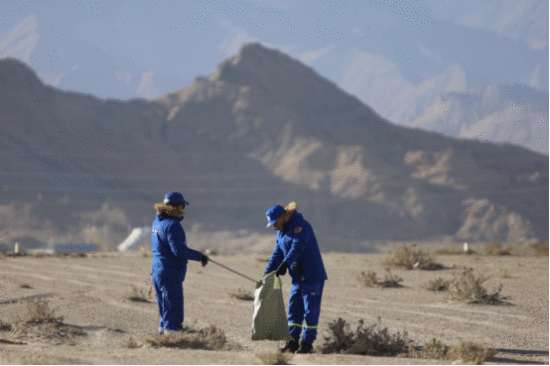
(170, 256)
(297, 246)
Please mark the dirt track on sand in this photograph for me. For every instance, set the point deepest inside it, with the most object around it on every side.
(90, 294)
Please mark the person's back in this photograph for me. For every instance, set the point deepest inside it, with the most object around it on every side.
(168, 241)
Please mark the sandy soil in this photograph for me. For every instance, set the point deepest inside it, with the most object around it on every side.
(90, 293)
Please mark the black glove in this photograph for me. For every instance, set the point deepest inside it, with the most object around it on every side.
(281, 271)
(297, 268)
(204, 260)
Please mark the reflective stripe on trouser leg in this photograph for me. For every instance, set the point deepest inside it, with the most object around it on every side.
(295, 312)
(312, 295)
(304, 304)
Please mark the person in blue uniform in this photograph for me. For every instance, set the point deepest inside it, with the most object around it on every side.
(298, 253)
(170, 256)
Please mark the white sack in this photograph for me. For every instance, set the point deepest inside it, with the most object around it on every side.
(269, 320)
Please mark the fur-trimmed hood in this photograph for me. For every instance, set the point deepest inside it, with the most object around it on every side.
(167, 210)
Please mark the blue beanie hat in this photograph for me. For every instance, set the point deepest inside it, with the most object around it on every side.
(273, 214)
(174, 198)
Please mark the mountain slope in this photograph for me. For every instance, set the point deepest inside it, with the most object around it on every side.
(308, 133)
(516, 114)
(261, 129)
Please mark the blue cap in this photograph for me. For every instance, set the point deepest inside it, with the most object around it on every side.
(273, 214)
(174, 198)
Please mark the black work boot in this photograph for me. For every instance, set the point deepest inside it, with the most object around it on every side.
(305, 347)
(290, 346)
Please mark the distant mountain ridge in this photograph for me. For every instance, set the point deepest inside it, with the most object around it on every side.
(517, 114)
(261, 129)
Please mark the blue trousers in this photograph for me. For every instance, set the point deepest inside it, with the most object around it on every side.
(304, 308)
(169, 292)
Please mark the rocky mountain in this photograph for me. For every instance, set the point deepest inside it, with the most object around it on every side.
(517, 114)
(262, 129)
(446, 103)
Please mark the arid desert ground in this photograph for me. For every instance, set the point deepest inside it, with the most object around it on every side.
(103, 326)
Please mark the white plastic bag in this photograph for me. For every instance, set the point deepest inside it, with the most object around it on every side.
(269, 320)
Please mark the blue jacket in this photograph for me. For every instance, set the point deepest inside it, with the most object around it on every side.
(296, 244)
(169, 247)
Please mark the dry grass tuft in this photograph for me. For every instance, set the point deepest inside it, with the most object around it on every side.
(434, 350)
(470, 353)
(209, 338)
(371, 340)
(269, 357)
(539, 248)
(370, 279)
(411, 258)
(242, 294)
(130, 343)
(136, 296)
(495, 248)
(438, 284)
(38, 311)
(465, 352)
(4, 325)
(39, 322)
(469, 289)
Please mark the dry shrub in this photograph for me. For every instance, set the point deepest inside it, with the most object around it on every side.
(438, 284)
(470, 353)
(39, 255)
(130, 343)
(24, 285)
(209, 338)
(39, 322)
(370, 279)
(4, 325)
(269, 357)
(465, 352)
(242, 294)
(369, 341)
(449, 251)
(535, 248)
(469, 288)
(495, 248)
(38, 311)
(135, 295)
(432, 350)
(540, 248)
(411, 258)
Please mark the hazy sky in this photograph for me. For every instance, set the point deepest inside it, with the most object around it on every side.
(126, 49)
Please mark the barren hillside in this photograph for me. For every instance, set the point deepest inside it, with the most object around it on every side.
(261, 129)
